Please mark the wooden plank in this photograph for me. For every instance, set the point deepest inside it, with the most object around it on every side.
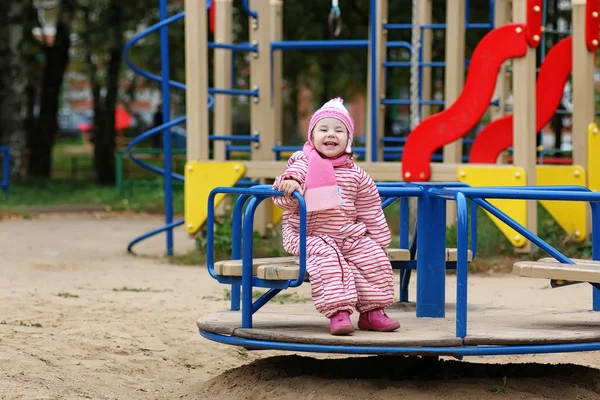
(502, 91)
(379, 59)
(196, 78)
(454, 75)
(284, 268)
(234, 267)
(388, 171)
(524, 116)
(488, 325)
(398, 254)
(452, 255)
(278, 272)
(575, 260)
(222, 73)
(552, 270)
(262, 115)
(583, 88)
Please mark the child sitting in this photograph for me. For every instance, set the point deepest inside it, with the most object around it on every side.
(346, 228)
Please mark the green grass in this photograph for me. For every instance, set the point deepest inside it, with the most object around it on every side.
(69, 192)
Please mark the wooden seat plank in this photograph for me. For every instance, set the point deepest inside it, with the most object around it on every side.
(284, 268)
(581, 272)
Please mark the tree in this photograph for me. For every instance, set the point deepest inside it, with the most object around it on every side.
(56, 56)
(102, 30)
(13, 28)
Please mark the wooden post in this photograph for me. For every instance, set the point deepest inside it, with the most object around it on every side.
(276, 23)
(583, 89)
(196, 77)
(502, 92)
(582, 85)
(261, 111)
(524, 140)
(380, 57)
(454, 80)
(426, 49)
(222, 108)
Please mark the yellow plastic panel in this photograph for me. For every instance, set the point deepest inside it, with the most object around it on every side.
(277, 214)
(500, 176)
(593, 156)
(570, 215)
(200, 179)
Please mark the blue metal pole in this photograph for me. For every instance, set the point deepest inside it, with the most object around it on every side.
(431, 260)
(467, 11)
(236, 246)
(462, 262)
(492, 13)
(166, 111)
(595, 250)
(374, 69)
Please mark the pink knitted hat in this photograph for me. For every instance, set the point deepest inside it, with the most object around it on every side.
(334, 108)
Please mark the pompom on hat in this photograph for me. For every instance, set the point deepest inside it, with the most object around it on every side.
(334, 108)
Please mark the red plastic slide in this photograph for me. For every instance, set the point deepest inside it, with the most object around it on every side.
(554, 72)
(499, 45)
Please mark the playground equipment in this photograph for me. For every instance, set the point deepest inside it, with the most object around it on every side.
(5, 182)
(465, 105)
(527, 330)
(492, 330)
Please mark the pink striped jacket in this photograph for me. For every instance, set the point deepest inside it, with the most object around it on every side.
(359, 215)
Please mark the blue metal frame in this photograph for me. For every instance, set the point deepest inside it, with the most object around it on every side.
(432, 199)
(389, 64)
(5, 182)
(166, 85)
(462, 351)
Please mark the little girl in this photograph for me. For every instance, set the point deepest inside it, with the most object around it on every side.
(346, 228)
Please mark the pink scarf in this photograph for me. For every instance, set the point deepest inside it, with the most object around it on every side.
(321, 185)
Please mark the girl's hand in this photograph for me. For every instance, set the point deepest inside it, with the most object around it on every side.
(289, 186)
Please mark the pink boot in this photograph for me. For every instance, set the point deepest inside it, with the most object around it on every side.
(377, 320)
(340, 324)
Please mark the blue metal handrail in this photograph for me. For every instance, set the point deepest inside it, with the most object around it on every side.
(5, 182)
(480, 196)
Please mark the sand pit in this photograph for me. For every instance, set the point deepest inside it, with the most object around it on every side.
(80, 318)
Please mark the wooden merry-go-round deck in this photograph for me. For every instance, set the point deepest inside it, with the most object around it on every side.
(487, 326)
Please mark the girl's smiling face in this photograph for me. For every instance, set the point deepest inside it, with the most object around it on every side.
(330, 137)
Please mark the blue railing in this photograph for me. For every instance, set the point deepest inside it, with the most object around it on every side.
(5, 182)
(431, 199)
(166, 85)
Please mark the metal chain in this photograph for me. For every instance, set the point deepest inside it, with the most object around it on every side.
(414, 65)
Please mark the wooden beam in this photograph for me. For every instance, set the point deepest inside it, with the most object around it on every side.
(502, 91)
(380, 57)
(379, 171)
(222, 71)
(454, 79)
(276, 24)
(455, 67)
(524, 132)
(262, 115)
(196, 77)
(582, 85)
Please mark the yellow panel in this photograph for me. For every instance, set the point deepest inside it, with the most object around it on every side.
(570, 215)
(200, 179)
(277, 214)
(500, 176)
(593, 170)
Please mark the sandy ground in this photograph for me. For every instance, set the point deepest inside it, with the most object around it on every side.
(80, 318)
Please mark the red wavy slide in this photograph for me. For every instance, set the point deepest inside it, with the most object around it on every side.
(499, 45)
(554, 72)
